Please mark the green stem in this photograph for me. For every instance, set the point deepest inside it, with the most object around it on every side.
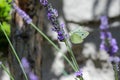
(72, 56)
(14, 52)
(7, 71)
(56, 47)
(80, 78)
(115, 71)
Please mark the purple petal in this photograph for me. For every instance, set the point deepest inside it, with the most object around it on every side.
(32, 76)
(115, 48)
(44, 2)
(113, 41)
(22, 14)
(25, 63)
(78, 73)
(102, 45)
(61, 38)
(116, 59)
(104, 20)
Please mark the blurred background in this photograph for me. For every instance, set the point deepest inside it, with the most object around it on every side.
(74, 14)
(86, 14)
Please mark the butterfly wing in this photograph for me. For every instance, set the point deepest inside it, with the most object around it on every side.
(75, 38)
(83, 33)
(77, 35)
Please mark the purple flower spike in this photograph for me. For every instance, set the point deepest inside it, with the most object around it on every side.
(22, 14)
(78, 73)
(108, 43)
(52, 15)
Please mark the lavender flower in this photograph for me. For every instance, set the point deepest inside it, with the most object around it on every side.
(33, 76)
(78, 73)
(113, 46)
(26, 65)
(108, 43)
(115, 59)
(104, 22)
(52, 15)
(105, 35)
(44, 2)
(22, 14)
(103, 46)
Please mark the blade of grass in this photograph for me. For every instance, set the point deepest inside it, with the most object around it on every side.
(14, 52)
(72, 56)
(5, 69)
(56, 47)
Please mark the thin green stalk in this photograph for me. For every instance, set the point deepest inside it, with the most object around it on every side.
(52, 44)
(115, 71)
(44, 36)
(14, 52)
(81, 78)
(2, 65)
(72, 56)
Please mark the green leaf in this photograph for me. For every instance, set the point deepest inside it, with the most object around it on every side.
(6, 27)
(5, 8)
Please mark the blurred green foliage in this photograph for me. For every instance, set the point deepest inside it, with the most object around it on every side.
(6, 27)
(5, 8)
(5, 17)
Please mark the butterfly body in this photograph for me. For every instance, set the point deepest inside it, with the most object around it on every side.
(78, 35)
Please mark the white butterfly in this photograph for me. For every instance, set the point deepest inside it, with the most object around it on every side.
(77, 35)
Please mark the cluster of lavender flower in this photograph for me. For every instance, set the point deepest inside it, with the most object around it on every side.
(79, 73)
(22, 14)
(52, 15)
(109, 44)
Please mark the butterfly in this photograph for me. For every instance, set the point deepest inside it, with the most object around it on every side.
(78, 35)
